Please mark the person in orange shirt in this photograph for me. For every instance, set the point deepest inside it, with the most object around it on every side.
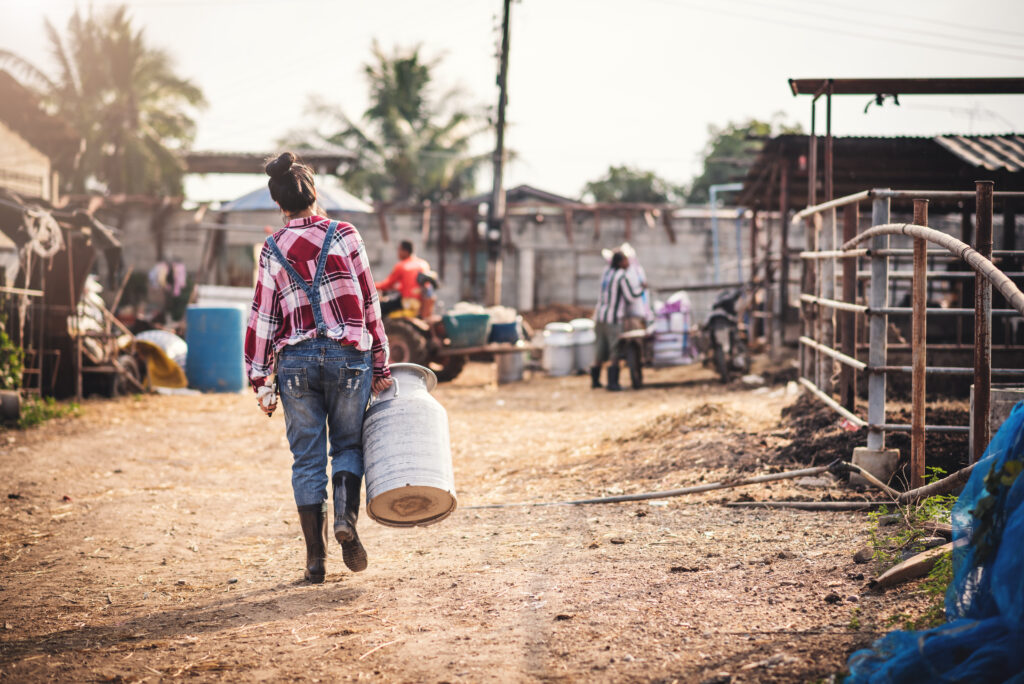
(404, 277)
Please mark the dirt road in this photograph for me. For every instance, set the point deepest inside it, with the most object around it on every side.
(156, 538)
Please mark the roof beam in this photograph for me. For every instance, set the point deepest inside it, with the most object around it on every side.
(909, 86)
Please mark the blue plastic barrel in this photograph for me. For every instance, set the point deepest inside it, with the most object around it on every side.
(215, 337)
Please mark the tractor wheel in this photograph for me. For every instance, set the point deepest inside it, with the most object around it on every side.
(448, 368)
(408, 344)
(123, 387)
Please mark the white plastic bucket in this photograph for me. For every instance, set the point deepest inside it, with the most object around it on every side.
(559, 349)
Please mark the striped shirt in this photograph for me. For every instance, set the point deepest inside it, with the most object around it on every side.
(617, 291)
(281, 314)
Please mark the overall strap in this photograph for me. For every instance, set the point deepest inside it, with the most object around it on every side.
(312, 290)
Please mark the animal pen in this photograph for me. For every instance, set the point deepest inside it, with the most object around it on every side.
(831, 309)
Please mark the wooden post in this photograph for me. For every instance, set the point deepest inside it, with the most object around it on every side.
(783, 296)
(666, 218)
(918, 351)
(70, 247)
(982, 324)
(442, 239)
(382, 221)
(425, 225)
(848, 319)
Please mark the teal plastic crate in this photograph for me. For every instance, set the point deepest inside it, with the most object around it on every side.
(467, 329)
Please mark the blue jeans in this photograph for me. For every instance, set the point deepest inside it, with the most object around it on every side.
(325, 387)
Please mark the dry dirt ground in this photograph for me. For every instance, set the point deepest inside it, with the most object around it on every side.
(155, 538)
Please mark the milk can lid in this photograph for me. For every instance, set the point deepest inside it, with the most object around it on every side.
(428, 375)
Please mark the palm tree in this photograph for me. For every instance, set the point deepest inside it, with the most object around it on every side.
(410, 146)
(123, 98)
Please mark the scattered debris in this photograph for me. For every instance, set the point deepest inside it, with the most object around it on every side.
(864, 555)
(916, 566)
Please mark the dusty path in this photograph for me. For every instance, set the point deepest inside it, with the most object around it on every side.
(176, 550)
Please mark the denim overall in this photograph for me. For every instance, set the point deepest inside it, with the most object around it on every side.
(325, 387)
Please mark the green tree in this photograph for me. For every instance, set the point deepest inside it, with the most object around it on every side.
(133, 112)
(411, 144)
(731, 150)
(626, 184)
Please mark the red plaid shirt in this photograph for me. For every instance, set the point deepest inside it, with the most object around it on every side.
(281, 313)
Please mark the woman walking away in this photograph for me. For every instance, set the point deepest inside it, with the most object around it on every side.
(316, 311)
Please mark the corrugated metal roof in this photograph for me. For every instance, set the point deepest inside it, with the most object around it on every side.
(993, 152)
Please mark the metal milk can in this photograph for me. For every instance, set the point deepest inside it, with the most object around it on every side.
(407, 452)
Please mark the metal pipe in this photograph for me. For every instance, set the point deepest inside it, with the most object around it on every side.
(933, 253)
(847, 361)
(936, 275)
(834, 304)
(832, 403)
(828, 291)
(936, 311)
(877, 325)
(980, 413)
(899, 427)
(832, 204)
(935, 194)
(975, 260)
(807, 287)
(848, 319)
(918, 348)
(647, 496)
(947, 370)
(835, 254)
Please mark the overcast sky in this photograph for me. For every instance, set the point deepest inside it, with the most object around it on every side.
(591, 82)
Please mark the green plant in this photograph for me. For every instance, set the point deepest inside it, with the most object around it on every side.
(890, 543)
(36, 411)
(854, 623)
(12, 357)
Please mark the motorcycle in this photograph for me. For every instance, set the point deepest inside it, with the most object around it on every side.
(725, 342)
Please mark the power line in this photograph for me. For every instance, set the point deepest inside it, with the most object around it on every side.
(834, 31)
(901, 30)
(923, 19)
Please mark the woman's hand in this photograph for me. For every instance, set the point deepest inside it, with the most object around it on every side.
(381, 384)
(266, 397)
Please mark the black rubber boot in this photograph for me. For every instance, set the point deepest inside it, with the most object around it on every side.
(613, 378)
(314, 528)
(346, 513)
(595, 377)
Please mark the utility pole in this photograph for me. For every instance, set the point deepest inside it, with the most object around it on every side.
(496, 207)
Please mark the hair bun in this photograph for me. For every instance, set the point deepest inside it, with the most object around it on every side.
(280, 166)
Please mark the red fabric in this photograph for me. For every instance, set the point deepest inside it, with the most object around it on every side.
(281, 313)
(403, 277)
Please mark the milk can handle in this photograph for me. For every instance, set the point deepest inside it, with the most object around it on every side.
(394, 393)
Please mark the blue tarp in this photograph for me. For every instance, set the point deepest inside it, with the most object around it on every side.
(983, 640)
